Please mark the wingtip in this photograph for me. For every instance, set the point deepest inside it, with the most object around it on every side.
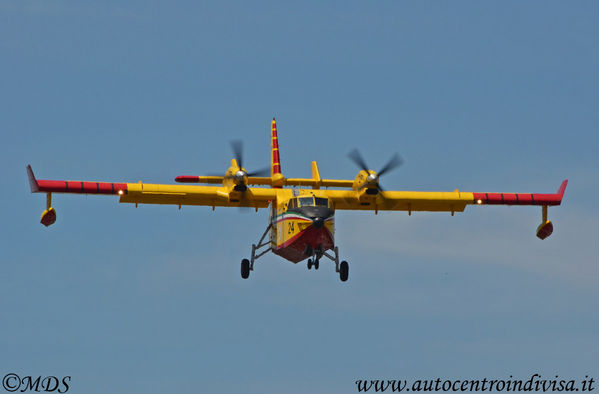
(33, 185)
(562, 188)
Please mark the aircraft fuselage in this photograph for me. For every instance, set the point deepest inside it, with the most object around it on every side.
(302, 227)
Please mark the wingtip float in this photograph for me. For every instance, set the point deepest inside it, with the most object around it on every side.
(301, 224)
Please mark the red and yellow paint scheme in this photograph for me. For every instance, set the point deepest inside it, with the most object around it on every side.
(301, 224)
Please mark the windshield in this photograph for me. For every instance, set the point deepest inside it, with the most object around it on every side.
(293, 203)
(321, 202)
(306, 202)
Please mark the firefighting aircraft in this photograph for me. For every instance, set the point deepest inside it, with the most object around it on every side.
(301, 224)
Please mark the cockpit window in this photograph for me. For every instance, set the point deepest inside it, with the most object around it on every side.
(306, 201)
(293, 203)
(321, 202)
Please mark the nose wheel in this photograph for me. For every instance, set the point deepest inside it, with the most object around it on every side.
(314, 264)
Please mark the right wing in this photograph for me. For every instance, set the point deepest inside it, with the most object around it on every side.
(147, 193)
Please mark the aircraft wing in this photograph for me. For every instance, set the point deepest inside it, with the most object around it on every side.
(455, 201)
(146, 193)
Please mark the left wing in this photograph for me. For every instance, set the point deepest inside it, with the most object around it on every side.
(455, 201)
(399, 200)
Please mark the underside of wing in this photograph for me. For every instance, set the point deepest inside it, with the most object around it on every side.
(455, 201)
(400, 201)
(144, 193)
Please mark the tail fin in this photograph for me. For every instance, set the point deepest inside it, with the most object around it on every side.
(33, 185)
(275, 162)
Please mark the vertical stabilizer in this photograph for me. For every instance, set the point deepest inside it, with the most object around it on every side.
(275, 162)
(316, 176)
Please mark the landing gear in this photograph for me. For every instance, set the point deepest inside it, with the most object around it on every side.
(343, 271)
(245, 268)
(314, 264)
(257, 251)
(263, 247)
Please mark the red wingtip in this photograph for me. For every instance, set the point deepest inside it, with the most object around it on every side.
(33, 185)
(562, 188)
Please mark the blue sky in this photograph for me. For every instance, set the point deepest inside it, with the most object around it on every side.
(480, 96)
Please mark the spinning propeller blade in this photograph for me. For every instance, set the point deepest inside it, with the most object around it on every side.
(356, 157)
(394, 162)
(374, 177)
(237, 147)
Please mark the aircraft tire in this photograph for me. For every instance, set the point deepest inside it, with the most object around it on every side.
(245, 268)
(309, 264)
(343, 271)
(316, 264)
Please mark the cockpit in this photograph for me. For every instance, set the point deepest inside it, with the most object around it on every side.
(298, 202)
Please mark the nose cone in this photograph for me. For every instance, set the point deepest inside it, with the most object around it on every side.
(318, 222)
(317, 214)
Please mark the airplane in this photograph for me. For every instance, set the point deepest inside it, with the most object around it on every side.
(301, 224)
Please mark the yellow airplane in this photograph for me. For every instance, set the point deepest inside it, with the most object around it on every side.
(301, 224)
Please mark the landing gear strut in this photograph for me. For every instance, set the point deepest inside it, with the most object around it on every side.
(343, 268)
(257, 252)
(263, 247)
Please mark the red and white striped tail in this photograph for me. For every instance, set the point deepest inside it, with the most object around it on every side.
(275, 161)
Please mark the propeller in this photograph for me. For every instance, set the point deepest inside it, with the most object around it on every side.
(373, 177)
(241, 175)
(237, 147)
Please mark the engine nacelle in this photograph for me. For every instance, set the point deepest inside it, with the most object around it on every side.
(366, 180)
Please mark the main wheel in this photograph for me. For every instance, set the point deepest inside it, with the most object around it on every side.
(316, 264)
(245, 268)
(343, 271)
(309, 264)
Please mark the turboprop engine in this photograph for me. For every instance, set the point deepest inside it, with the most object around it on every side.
(368, 180)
